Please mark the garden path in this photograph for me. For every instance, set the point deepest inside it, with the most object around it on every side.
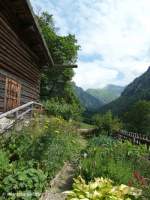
(61, 183)
(64, 179)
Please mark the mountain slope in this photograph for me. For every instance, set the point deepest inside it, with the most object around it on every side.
(139, 89)
(89, 102)
(107, 94)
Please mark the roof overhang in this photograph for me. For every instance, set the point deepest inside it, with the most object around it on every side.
(30, 32)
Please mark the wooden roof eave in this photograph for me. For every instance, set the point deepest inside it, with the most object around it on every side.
(47, 59)
(50, 61)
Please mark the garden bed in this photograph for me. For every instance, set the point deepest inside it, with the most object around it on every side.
(31, 158)
(123, 163)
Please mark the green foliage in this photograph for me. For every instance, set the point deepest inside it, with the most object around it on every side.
(30, 158)
(18, 146)
(4, 161)
(101, 162)
(58, 107)
(19, 177)
(60, 143)
(101, 189)
(101, 140)
(137, 119)
(23, 184)
(56, 82)
(56, 86)
(118, 161)
(63, 48)
(107, 123)
(5, 167)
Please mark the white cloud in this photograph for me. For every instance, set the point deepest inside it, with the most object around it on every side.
(91, 75)
(116, 30)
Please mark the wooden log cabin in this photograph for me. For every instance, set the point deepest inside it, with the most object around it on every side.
(23, 53)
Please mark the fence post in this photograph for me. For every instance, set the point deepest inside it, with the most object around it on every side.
(135, 138)
(32, 110)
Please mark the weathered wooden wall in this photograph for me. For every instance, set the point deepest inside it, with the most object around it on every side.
(2, 91)
(18, 62)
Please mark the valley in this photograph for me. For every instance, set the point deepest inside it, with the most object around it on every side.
(74, 100)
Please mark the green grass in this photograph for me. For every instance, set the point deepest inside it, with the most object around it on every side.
(83, 125)
(86, 126)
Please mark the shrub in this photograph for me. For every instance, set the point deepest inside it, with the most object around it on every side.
(17, 145)
(107, 123)
(57, 107)
(27, 183)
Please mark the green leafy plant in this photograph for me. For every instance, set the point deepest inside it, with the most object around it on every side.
(27, 182)
(101, 140)
(100, 161)
(60, 143)
(5, 167)
(116, 160)
(59, 107)
(101, 189)
(31, 158)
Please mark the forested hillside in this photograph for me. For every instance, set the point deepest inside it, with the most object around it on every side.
(106, 94)
(89, 102)
(139, 89)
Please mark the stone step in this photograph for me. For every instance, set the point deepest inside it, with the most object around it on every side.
(61, 183)
(24, 123)
(53, 196)
(5, 123)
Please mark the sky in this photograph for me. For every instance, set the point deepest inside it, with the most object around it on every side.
(114, 36)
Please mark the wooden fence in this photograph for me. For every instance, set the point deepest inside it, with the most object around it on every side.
(135, 138)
